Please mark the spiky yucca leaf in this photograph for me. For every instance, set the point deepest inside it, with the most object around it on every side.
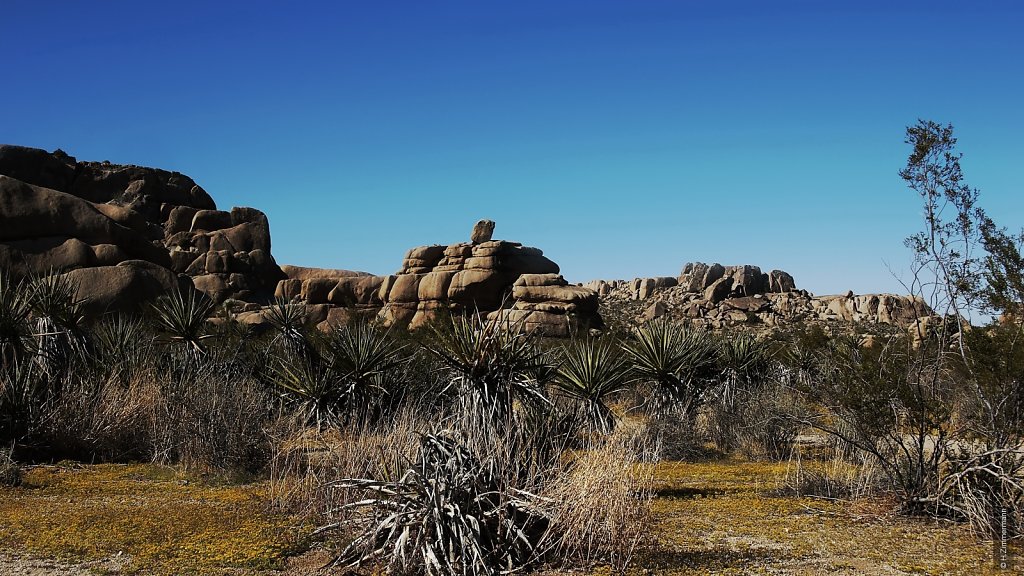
(590, 372)
(678, 363)
(15, 331)
(364, 354)
(745, 359)
(289, 320)
(353, 371)
(494, 363)
(22, 393)
(53, 297)
(59, 317)
(313, 389)
(182, 318)
(118, 336)
(447, 515)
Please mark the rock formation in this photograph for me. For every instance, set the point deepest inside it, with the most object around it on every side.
(491, 276)
(719, 296)
(127, 233)
(721, 282)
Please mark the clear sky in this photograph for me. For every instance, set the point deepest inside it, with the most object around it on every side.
(624, 138)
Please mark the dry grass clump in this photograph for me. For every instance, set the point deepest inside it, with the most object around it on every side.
(601, 503)
(835, 478)
(305, 461)
(10, 472)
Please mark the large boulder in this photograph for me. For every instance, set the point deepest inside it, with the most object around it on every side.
(126, 287)
(482, 231)
(31, 212)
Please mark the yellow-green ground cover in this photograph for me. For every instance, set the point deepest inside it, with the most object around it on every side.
(727, 518)
(721, 517)
(163, 521)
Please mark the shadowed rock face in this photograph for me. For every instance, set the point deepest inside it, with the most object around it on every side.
(134, 228)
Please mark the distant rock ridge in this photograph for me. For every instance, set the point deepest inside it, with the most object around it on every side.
(127, 234)
(718, 296)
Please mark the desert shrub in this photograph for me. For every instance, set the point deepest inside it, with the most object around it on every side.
(891, 403)
(306, 461)
(680, 437)
(745, 364)
(100, 419)
(10, 471)
(208, 417)
(770, 420)
(835, 477)
(447, 514)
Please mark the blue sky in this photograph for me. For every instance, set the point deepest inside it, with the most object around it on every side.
(622, 138)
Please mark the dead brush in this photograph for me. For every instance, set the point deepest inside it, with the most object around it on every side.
(601, 502)
(305, 461)
(834, 478)
(10, 472)
(986, 489)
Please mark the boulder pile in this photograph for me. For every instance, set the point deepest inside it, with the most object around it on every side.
(546, 303)
(490, 276)
(127, 234)
(718, 296)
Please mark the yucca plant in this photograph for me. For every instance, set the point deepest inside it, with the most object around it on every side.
(59, 318)
(446, 515)
(354, 370)
(181, 319)
(289, 320)
(119, 343)
(493, 363)
(678, 364)
(22, 393)
(592, 371)
(15, 331)
(311, 388)
(366, 360)
(745, 363)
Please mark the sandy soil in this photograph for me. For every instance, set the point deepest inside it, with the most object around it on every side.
(15, 564)
(12, 564)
